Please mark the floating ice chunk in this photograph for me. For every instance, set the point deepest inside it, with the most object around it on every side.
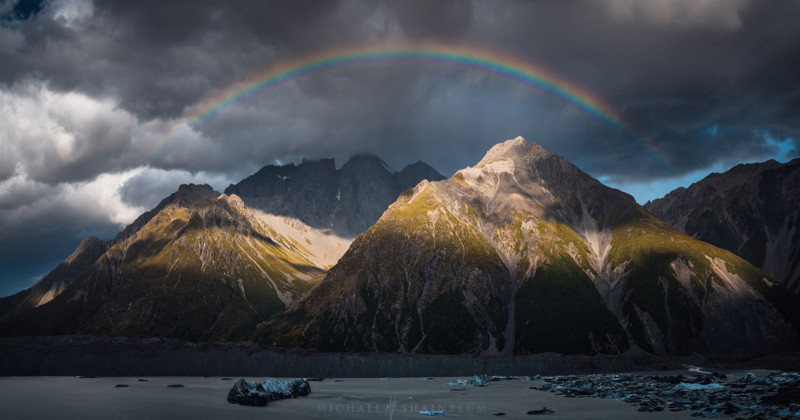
(252, 393)
(479, 380)
(457, 382)
(476, 380)
(747, 378)
(699, 387)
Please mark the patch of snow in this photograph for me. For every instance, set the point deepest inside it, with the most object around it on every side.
(320, 246)
(50, 294)
(244, 295)
(598, 240)
(608, 280)
(684, 271)
(732, 281)
(285, 297)
(501, 149)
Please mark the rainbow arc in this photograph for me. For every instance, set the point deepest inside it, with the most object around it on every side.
(493, 63)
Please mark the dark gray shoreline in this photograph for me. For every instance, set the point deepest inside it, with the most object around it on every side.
(120, 356)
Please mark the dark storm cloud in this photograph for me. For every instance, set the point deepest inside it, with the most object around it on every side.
(443, 19)
(155, 59)
(673, 69)
(673, 75)
(31, 250)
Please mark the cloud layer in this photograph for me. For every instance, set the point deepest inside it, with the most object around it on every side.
(93, 96)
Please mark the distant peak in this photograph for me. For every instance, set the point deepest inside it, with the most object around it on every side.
(516, 140)
(417, 164)
(413, 173)
(194, 188)
(191, 195)
(516, 147)
(88, 245)
(366, 160)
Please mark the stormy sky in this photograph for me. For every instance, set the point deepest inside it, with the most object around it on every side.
(89, 89)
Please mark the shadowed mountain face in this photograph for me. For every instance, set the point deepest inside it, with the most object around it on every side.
(525, 253)
(89, 250)
(752, 210)
(92, 248)
(347, 201)
(200, 266)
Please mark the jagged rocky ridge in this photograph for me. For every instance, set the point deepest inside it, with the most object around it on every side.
(525, 253)
(752, 210)
(348, 200)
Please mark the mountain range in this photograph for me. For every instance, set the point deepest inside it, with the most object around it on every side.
(752, 210)
(525, 253)
(203, 266)
(522, 253)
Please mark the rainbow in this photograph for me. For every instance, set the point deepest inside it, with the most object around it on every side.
(496, 64)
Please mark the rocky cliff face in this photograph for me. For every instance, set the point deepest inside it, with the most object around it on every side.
(200, 266)
(752, 210)
(346, 201)
(525, 253)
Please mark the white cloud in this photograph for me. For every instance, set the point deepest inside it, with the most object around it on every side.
(103, 197)
(25, 202)
(70, 153)
(108, 199)
(20, 193)
(61, 136)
